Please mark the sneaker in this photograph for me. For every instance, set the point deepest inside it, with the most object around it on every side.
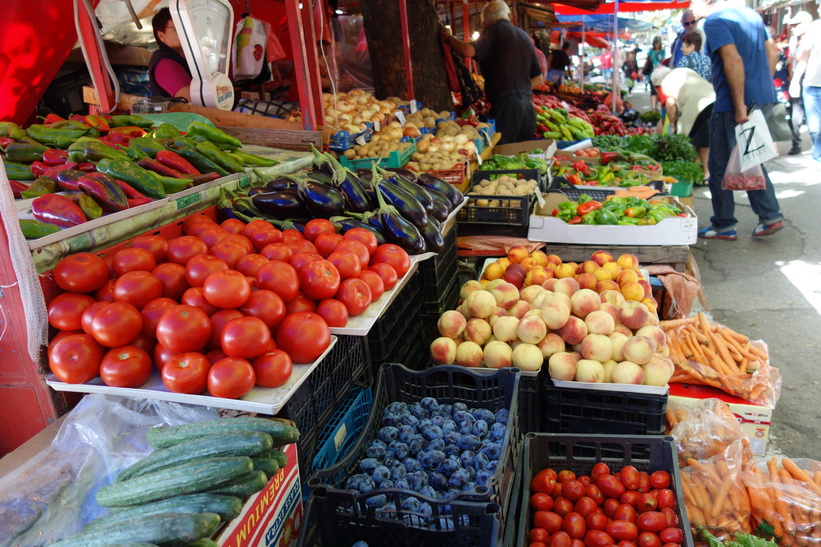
(766, 229)
(795, 150)
(710, 233)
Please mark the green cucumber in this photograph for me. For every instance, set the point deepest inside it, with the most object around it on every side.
(189, 478)
(244, 486)
(239, 443)
(269, 466)
(159, 528)
(227, 507)
(281, 432)
(278, 455)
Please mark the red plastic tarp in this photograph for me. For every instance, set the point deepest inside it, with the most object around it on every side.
(593, 39)
(609, 7)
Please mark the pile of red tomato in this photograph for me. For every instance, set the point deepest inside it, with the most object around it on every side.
(629, 508)
(222, 308)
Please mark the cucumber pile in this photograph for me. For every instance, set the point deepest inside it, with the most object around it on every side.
(196, 478)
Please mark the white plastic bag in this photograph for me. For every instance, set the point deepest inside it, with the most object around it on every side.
(755, 144)
(254, 45)
(738, 179)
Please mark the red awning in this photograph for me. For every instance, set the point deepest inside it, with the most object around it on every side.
(609, 7)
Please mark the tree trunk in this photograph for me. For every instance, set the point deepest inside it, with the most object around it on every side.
(384, 34)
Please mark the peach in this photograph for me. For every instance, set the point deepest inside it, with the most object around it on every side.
(550, 283)
(539, 257)
(590, 266)
(484, 282)
(583, 302)
(654, 333)
(555, 313)
(613, 269)
(494, 283)
(603, 275)
(618, 339)
(504, 261)
(557, 296)
(493, 271)
(519, 309)
(533, 312)
(574, 331)
(550, 344)
(627, 372)
(517, 253)
(504, 329)
(601, 257)
(568, 269)
(469, 354)
(469, 287)
(531, 328)
(606, 285)
(539, 300)
(597, 347)
(498, 354)
(648, 289)
(451, 324)
(632, 291)
(633, 315)
(528, 263)
(554, 259)
(536, 276)
(529, 293)
(480, 304)
(527, 357)
(628, 261)
(562, 366)
(566, 285)
(612, 296)
(443, 351)
(515, 277)
(620, 328)
(497, 313)
(600, 322)
(477, 331)
(652, 307)
(638, 349)
(551, 267)
(627, 276)
(506, 294)
(608, 370)
(463, 309)
(586, 280)
(588, 370)
(658, 371)
(610, 310)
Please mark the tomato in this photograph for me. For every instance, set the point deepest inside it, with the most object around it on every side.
(557, 490)
(132, 259)
(538, 535)
(575, 525)
(648, 539)
(273, 368)
(189, 223)
(374, 282)
(227, 289)
(199, 267)
(241, 240)
(172, 278)
(232, 225)
(181, 249)
(597, 538)
(161, 356)
(319, 279)
(660, 479)
(646, 502)
(88, 314)
(609, 506)
(292, 235)
(65, 312)
(543, 483)
(183, 328)
(672, 517)
(572, 489)
(357, 248)
(277, 251)
(304, 336)
(584, 479)
(218, 322)
(644, 482)
(230, 252)
(652, 521)
(565, 474)
(317, 226)
(541, 502)
(81, 272)
(245, 337)
(548, 472)
(625, 512)
(334, 312)
(550, 521)
(75, 358)
(625, 543)
(152, 312)
(326, 243)
(610, 486)
(196, 297)
(106, 292)
(250, 264)
(631, 497)
(215, 355)
(138, 288)
(211, 235)
(231, 378)
(671, 535)
(156, 245)
(364, 236)
(561, 539)
(629, 477)
(300, 303)
(262, 238)
(346, 263)
(356, 295)
(279, 277)
(387, 273)
(186, 373)
(622, 529)
(145, 343)
(598, 470)
(257, 225)
(596, 521)
(562, 506)
(396, 256)
(584, 506)
(592, 491)
(301, 259)
(266, 305)
(301, 246)
(116, 325)
(126, 366)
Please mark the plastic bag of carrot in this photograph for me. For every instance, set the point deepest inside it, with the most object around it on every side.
(707, 353)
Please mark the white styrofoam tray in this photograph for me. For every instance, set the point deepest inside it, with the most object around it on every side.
(621, 388)
(264, 400)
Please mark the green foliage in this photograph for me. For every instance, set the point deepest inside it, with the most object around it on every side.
(684, 171)
(662, 148)
(650, 116)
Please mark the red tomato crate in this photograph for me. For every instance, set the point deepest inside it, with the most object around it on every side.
(455, 176)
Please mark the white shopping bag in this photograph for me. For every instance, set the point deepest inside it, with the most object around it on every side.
(755, 143)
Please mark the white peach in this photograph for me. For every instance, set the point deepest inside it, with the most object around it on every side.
(583, 302)
(469, 354)
(443, 351)
(504, 329)
(498, 354)
(451, 324)
(588, 370)
(597, 347)
(627, 372)
(562, 366)
(599, 322)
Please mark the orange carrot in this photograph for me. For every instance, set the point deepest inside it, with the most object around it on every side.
(816, 478)
(670, 324)
(799, 474)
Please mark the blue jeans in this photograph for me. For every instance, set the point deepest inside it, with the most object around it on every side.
(722, 141)
(555, 76)
(812, 110)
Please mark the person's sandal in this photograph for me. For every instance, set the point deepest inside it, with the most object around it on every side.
(767, 229)
(711, 233)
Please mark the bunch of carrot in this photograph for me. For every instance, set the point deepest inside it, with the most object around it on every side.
(789, 499)
(702, 433)
(710, 354)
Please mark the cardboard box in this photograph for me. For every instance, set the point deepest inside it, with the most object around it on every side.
(670, 231)
(272, 516)
(548, 145)
(755, 419)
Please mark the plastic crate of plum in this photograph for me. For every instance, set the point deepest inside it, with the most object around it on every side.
(433, 466)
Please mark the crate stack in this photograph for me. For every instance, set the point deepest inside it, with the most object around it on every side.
(440, 288)
(394, 336)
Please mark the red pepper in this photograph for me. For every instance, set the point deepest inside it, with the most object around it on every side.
(159, 168)
(555, 212)
(87, 166)
(117, 140)
(97, 122)
(55, 170)
(574, 179)
(69, 179)
(202, 179)
(38, 168)
(58, 210)
(5, 141)
(575, 220)
(52, 156)
(104, 190)
(176, 162)
(138, 201)
(588, 206)
(53, 118)
(130, 191)
(131, 131)
(17, 187)
(607, 157)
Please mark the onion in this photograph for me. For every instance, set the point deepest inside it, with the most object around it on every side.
(432, 148)
(393, 133)
(345, 118)
(411, 131)
(447, 146)
(363, 99)
(460, 139)
(344, 106)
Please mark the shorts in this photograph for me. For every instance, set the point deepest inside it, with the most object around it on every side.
(700, 132)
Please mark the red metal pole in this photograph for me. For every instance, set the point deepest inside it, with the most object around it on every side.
(301, 73)
(96, 66)
(312, 37)
(403, 19)
(466, 29)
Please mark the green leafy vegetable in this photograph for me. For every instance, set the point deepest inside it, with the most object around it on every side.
(740, 540)
(684, 171)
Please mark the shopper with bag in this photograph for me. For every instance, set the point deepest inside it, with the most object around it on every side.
(743, 58)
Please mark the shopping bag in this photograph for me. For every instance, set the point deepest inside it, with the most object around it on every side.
(249, 48)
(755, 144)
(736, 178)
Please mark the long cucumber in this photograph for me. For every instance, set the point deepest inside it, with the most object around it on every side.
(244, 486)
(281, 432)
(227, 507)
(161, 528)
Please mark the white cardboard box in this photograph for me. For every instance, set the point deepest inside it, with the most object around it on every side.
(670, 231)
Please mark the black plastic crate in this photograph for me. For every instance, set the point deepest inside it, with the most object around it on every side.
(530, 402)
(395, 323)
(579, 453)
(510, 216)
(474, 518)
(447, 300)
(437, 273)
(578, 410)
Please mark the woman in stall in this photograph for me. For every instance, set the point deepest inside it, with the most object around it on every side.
(168, 70)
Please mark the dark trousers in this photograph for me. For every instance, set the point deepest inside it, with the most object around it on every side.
(515, 117)
(797, 117)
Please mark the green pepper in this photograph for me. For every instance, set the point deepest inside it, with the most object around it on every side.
(11, 130)
(42, 185)
(659, 214)
(635, 212)
(143, 147)
(213, 153)
(22, 152)
(69, 125)
(649, 220)
(628, 221)
(212, 134)
(133, 119)
(589, 218)
(33, 229)
(166, 131)
(605, 216)
(91, 149)
(18, 171)
(88, 205)
(252, 159)
(203, 164)
(142, 180)
(59, 138)
(583, 198)
(615, 206)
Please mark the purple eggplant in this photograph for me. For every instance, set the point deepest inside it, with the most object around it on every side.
(453, 194)
(280, 183)
(321, 200)
(404, 202)
(396, 227)
(418, 192)
(433, 235)
(282, 204)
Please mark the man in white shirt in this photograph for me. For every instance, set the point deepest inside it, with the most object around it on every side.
(810, 46)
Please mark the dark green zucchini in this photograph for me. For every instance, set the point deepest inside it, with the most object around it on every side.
(277, 454)
(280, 432)
(269, 466)
(161, 528)
(227, 507)
(245, 486)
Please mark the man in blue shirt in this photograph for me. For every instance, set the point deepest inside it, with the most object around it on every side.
(743, 60)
